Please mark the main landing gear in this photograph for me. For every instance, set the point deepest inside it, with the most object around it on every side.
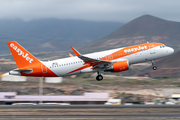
(99, 77)
(154, 66)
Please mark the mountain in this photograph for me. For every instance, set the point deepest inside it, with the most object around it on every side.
(52, 34)
(138, 31)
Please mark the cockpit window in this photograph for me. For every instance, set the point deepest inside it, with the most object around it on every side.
(162, 46)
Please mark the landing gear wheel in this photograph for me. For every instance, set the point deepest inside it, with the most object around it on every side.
(154, 68)
(99, 78)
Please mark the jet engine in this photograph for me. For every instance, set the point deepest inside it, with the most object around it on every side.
(118, 66)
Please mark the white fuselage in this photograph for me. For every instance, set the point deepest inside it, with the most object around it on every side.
(74, 65)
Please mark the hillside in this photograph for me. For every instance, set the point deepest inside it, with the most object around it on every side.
(167, 67)
(52, 34)
(138, 31)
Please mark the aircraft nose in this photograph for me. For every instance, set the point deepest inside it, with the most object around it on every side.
(171, 50)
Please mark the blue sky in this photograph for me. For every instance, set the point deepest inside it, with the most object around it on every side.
(91, 10)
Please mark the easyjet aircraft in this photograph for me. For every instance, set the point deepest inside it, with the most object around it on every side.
(115, 60)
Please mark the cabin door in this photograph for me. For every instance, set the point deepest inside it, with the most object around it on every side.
(152, 49)
(44, 69)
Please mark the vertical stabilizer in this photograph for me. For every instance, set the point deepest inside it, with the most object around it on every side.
(21, 56)
(27, 64)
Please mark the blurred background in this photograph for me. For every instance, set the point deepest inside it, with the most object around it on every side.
(47, 29)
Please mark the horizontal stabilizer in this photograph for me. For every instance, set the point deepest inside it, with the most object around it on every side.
(18, 71)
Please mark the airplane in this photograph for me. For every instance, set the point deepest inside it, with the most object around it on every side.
(114, 60)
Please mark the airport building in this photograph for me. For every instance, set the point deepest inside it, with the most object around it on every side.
(175, 96)
(12, 78)
(86, 98)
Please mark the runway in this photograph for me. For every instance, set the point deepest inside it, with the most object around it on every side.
(90, 111)
(91, 116)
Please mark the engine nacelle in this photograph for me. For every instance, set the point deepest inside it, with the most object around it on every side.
(118, 66)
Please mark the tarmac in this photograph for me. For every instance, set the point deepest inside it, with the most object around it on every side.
(89, 111)
(93, 116)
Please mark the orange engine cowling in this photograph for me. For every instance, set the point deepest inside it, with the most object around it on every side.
(118, 66)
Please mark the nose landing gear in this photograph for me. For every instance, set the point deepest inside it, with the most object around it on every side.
(153, 64)
(154, 68)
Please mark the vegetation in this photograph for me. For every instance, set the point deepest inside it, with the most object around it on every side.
(123, 81)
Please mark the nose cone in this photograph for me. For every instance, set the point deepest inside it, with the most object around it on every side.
(168, 51)
(171, 50)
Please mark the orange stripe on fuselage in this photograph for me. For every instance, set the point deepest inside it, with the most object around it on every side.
(81, 68)
(130, 50)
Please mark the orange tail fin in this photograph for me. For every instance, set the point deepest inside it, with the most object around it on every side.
(21, 56)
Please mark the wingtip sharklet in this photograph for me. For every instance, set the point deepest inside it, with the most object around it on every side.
(75, 51)
(70, 54)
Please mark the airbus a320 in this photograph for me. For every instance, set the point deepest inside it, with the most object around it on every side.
(115, 60)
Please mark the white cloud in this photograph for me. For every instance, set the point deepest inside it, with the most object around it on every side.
(94, 10)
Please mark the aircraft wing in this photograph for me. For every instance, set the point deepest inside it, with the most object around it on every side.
(91, 61)
(88, 60)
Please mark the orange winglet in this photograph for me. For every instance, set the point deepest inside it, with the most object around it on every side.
(75, 51)
(70, 54)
